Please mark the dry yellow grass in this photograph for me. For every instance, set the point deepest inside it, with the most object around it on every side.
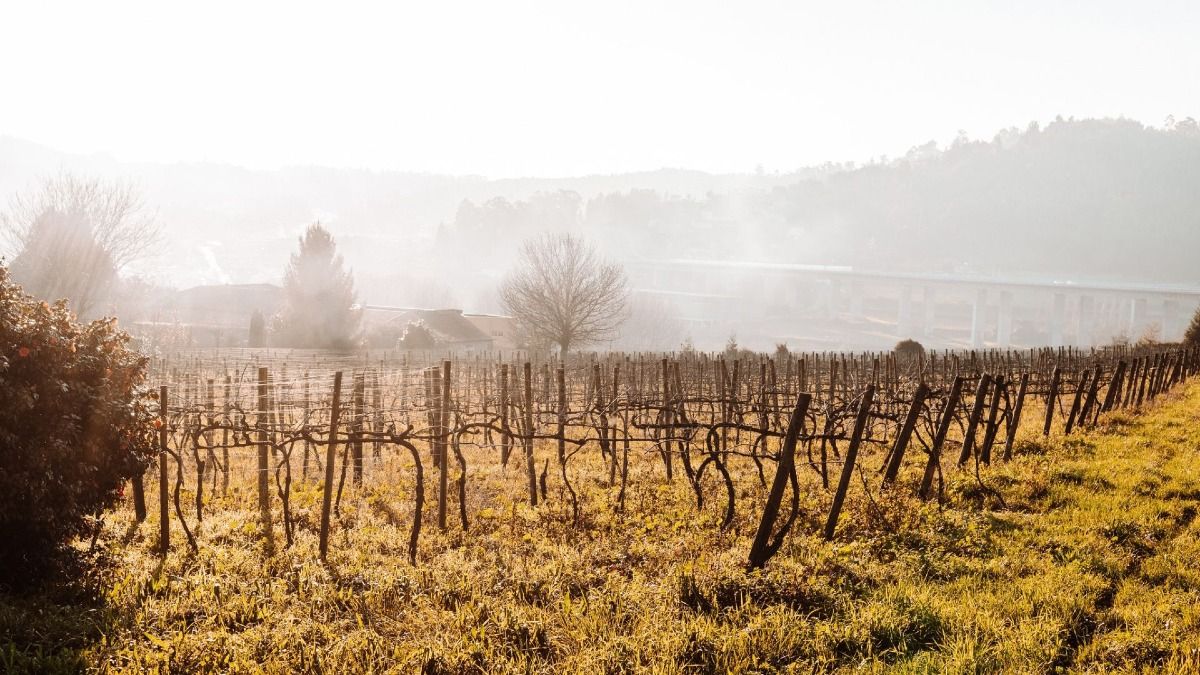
(1088, 565)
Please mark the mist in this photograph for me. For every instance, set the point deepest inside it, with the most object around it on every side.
(747, 193)
(1076, 201)
(540, 337)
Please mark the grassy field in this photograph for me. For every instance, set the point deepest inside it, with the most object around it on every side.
(1077, 556)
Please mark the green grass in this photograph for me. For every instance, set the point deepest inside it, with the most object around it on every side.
(1088, 565)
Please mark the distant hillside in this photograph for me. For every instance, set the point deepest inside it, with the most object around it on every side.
(229, 224)
(1098, 198)
(1078, 198)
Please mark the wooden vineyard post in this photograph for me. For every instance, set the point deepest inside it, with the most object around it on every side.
(1155, 375)
(376, 416)
(1051, 399)
(833, 374)
(906, 432)
(1014, 424)
(431, 405)
(1083, 381)
(1147, 365)
(164, 519)
(1089, 403)
(307, 446)
(667, 418)
(264, 495)
(225, 437)
(939, 439)
(330, 459)
(505, 436)
(356, 442)
(562, 440)
(763, 548)
(443, 441)
(601, 420)
(530, 469)
(202, 464)
(612, 434)
(1131, 383)
(968, 446)
(722, 378)
(989, 435)
(839, 497)
(1114, 387)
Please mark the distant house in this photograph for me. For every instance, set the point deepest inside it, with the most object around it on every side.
(449, 329)
(227, 304)
(502, 330)
(207, 316)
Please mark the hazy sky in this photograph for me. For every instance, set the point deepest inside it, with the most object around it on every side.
(565, 88)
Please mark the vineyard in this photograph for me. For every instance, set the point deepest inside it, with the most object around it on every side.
(991, 511)
(814, 422)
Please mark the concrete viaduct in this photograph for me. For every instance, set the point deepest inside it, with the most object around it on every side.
(943, 310)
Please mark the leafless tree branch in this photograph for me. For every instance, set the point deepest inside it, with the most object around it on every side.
(564, 293)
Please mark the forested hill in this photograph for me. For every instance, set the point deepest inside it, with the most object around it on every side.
(1099, 198)
(1076, 199)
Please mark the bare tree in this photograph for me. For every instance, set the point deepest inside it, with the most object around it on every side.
(563, 292)
(72, 236)
(114, 210)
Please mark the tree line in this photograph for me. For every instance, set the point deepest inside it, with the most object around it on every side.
(1117, 195)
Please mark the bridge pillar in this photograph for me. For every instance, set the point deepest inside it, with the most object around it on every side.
(1137, 314)
(1083, 321)
(856, 299)
(1105, 325)
(977, 311)
(904, 314)
(1004, 323)
(828, 297)
(792, 296)
(1057, 319)
(930, 311)
(1170, 326)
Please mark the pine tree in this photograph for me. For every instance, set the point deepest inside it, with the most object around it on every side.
(1192, 336)
(319, 301)
(62, 259)
(258, 330)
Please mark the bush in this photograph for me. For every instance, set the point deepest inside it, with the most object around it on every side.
(909, 354)
(418, 336)
(74, 427)
(1151, 336)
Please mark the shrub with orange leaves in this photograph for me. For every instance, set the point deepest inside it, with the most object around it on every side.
(74, 426)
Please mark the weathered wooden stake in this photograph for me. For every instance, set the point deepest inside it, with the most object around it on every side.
(505, 435)
(968, 446)
(763, 548)
(860, 424)
(989, 435)
(164, 518)
(1052, 399)
(1014, 424)
(356, 442)
(443, 456)
(330, 460)
(264, 495)
(530, 469)
(1079, 389)
(939, 439)
(906, 432)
